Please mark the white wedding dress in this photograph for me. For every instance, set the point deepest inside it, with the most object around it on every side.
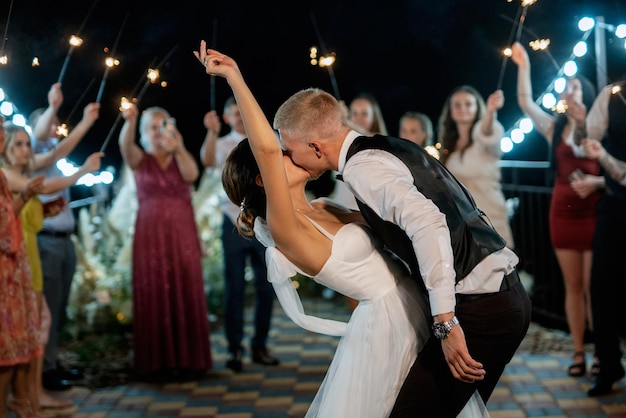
(384, 334)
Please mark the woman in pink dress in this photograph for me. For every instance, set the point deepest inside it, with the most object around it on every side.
(171, 325)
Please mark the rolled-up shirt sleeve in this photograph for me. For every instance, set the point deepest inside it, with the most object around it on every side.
(385, 184)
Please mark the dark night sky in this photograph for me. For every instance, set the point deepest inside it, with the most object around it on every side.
(410, 54)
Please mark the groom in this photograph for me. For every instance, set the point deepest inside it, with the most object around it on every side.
(480, 310)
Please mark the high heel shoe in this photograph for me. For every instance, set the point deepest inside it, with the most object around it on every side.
(579, 368)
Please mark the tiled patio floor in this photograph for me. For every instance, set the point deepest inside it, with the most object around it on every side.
(535, 384)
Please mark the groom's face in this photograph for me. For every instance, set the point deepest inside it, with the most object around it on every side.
(304, 155)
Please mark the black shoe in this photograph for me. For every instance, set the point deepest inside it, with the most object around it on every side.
(604, 382)
(234, 362)
(51, 380)
(262, 357)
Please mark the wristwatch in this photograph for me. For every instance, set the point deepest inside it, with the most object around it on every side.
(442, 329)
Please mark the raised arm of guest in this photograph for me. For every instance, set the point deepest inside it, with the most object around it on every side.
(489, 125)
(542, 120)
(17, 164)
(159, 137)
(47, 119)
(172, 142)
(207, 151)
(131, 152)
(91, 113)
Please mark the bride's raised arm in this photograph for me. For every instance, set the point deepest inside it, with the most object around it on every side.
(265, 146)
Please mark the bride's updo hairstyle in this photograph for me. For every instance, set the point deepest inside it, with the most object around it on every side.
(239, 175)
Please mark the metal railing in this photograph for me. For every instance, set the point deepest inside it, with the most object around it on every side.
(529, 206)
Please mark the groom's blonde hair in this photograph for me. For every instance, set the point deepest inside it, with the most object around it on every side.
(310, 113)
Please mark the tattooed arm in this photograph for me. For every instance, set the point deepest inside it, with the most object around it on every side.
(616, 168)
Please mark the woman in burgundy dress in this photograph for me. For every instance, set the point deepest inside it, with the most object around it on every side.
(576, 190)
(170, 318)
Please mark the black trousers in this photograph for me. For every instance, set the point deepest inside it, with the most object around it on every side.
(608, 274)
(494, 327)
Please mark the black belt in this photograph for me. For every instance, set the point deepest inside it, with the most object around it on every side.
(508, 282)
(58, 234)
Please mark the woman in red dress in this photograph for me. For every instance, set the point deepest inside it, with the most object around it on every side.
(577, 187)
(170, 318)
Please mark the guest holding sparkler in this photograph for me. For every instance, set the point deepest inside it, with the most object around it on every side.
(19, 319)
(56, 248)
(469, 134)
(577, 186)
(170, 318)
(18, 163)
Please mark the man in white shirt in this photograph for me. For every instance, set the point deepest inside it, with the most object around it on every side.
(238, 251)
(428, 218)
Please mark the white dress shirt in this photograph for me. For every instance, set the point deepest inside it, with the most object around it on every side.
(384, 183)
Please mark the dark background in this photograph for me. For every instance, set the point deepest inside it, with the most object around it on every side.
(409, 54)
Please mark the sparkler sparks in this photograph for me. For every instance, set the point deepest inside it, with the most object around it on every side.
(328, 59)
(539, 44)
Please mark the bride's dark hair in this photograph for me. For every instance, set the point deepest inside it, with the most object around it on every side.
(239, 175)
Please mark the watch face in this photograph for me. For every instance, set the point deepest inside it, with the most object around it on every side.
(440, 331)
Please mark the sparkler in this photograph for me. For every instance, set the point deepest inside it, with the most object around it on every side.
(522, 19)
(152, 77)
(519, 22)
(75, 41)
(110, 62)
(3, 58)
(327, 60)
(538, 44)
(124, 105)
(63, 130)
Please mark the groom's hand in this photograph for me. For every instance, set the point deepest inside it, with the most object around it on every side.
(462, 365)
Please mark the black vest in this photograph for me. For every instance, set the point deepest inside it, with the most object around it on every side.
(615, 138)
(472, 237)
